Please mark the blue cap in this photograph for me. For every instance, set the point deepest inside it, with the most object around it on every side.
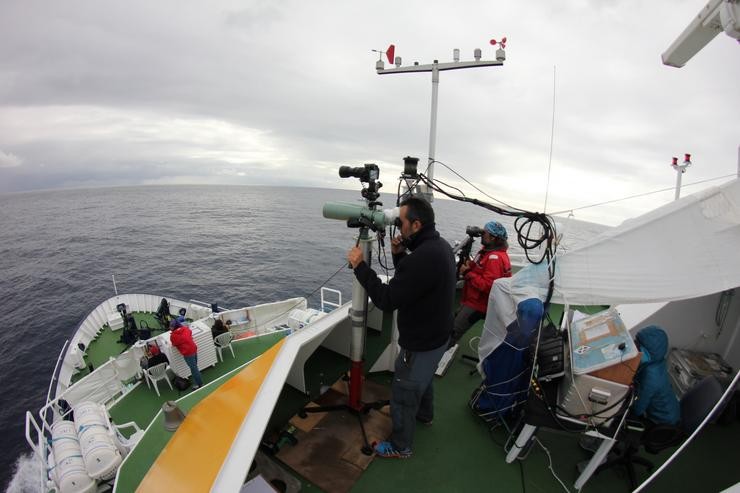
(180, 319)
(495, 228)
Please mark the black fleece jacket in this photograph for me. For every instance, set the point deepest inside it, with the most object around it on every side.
(422, 290)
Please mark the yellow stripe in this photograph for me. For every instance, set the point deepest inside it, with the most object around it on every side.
(192, 458)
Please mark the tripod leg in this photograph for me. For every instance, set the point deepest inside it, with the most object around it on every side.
(366, 448)
(322, 409)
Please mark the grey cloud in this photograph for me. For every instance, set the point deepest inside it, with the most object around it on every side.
(303, 75)
(9, 160)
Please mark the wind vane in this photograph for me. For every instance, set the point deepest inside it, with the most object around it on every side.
(389, 53)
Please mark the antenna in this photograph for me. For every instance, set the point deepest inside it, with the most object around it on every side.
(680, 170)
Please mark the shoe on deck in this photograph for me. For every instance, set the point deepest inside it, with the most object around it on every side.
(589, 443)
(386, 449)
(425, 422)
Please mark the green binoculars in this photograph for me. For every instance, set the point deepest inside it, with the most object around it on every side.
(344, 211)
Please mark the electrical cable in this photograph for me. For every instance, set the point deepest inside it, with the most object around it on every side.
(639, 195)
(383, 262)
(549, 459)
(521, 475)
(524, 220)
(279, 315)
(552, 140)
(475, 187)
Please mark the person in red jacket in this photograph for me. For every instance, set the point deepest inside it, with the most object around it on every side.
(182, 338)
(489, 264)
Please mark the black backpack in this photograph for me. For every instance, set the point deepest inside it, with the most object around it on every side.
(182, 383)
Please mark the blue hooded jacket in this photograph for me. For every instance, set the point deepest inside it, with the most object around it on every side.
(655, 397)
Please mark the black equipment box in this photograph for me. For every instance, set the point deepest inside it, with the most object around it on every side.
(550, 354)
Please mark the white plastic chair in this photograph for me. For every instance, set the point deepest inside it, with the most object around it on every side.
(155, 373)
(223, 341)
(125, 445)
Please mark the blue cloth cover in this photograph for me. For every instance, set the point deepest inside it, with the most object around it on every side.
(508, 368)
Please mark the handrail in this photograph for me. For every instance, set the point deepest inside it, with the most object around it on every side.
(100, 384)
(204, 304)
(55, 375)
(329, 303)
(40, 448)
(35, 447)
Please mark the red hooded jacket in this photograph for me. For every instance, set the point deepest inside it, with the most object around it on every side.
(182, 339)
(487, 266)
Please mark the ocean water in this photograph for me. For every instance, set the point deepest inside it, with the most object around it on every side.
(235, 246)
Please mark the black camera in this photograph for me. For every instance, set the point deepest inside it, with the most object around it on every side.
(370, 172)
(474, 231)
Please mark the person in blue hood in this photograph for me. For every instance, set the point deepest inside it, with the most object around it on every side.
(656, 400)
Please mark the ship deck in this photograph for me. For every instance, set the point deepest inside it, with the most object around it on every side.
(457, 453)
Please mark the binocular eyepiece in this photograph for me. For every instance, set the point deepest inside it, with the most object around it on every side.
(365, 174)
(474, 231)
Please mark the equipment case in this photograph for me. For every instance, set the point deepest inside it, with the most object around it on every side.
(687, 367)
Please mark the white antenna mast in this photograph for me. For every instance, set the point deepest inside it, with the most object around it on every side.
(435, 68)
(680, 170)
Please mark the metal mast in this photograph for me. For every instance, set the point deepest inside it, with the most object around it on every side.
(435, 68)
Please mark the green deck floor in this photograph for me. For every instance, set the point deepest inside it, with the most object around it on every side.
(457, 453)
(142, 403)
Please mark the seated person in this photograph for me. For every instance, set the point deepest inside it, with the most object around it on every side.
(655, 399)
(218, 328)
(163, 313)
(152, 357)
(490, 263)
(655, 402)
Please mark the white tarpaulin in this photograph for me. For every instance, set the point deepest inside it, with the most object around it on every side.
(685, 249)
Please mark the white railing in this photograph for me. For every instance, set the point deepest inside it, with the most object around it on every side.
(260, 319)
(331, 304)
(91, 326)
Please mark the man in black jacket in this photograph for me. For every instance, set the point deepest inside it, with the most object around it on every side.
(423, 291)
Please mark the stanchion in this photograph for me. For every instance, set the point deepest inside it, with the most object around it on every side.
(358, 316)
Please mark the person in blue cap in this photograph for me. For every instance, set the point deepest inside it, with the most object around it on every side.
(490, 263)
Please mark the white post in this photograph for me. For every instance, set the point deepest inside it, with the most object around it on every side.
(433, 123)
(679, 172)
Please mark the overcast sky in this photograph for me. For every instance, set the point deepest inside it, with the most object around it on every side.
(267, 93)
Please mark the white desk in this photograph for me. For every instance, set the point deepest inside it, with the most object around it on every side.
(115, 321)
(206, 350)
